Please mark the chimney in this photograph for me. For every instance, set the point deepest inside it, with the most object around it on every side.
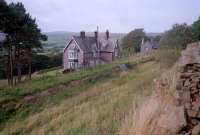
(107, 34)
(96, 35)
(82, 34)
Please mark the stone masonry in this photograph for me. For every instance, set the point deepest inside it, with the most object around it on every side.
(188, 87)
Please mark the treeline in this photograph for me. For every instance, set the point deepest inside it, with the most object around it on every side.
(39, 62)
(23, 39)
(180, 35)
(175, 38)
(131, 42)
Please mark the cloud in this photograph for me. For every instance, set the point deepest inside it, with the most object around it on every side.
(116, 15)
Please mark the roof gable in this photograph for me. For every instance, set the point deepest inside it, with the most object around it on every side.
(88, 44)
(69, 43)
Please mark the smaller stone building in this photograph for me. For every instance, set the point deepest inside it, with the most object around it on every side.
(149, 44)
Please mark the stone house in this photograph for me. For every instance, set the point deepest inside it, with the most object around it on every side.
(84, 51)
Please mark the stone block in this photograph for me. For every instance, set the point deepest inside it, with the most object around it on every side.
(186, 96)
(196, 130)
(192, 113)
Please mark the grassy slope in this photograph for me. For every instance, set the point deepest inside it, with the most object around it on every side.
(51, 79)
(96, 108)
(143, 120)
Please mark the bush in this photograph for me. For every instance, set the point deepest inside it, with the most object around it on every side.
(168, 56)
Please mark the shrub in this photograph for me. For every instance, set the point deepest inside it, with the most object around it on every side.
(168, 56)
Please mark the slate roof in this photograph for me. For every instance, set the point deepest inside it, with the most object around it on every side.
(108, 45)
(87, 44)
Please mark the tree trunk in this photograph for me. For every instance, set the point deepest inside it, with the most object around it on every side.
(29, 63)
(18, 66)
(8, 68)
(11, 66)
(18, 72)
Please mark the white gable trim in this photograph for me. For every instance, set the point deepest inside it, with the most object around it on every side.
(67, 45)
(70, 43)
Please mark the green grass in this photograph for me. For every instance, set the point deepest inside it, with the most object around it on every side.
(97, 106)
(61, 82)
(108, 95)
(39, 84)
(99, 109)
(50, 79)
(168, 56)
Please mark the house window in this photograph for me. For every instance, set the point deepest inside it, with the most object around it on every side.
(116, 52)
(72, 54)
(73, 65)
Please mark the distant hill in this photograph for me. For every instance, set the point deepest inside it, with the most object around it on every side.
(57, 40)
(154, 34)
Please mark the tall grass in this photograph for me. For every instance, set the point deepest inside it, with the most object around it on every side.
(168, 56)
(59, 86)
(143, 120)
(99, 109)
(44, 82)
(50, 79)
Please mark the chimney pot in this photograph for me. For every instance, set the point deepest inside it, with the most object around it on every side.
(107, 34)
(96, 34)
(82, 34)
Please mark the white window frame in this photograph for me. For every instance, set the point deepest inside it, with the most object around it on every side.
(73, 65)
(116, 52)
(72, 54)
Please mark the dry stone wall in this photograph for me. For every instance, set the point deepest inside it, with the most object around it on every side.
(188, 88)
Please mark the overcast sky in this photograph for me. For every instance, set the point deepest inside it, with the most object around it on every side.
(115, 15)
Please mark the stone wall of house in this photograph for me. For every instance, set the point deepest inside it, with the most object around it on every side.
(107, 56)
(71, 46)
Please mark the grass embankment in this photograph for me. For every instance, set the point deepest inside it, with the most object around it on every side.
(51, 79)
(98, 107)
(143, 119)
(146, 118)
